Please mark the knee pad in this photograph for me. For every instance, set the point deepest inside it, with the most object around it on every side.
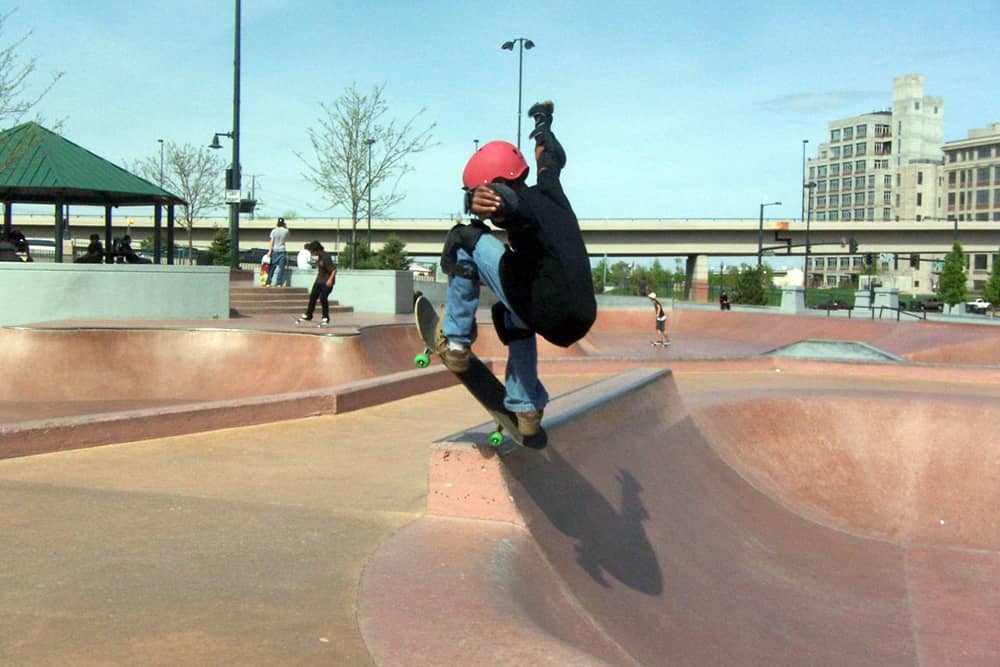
(465, 269)
(463, 237)
(506, 333)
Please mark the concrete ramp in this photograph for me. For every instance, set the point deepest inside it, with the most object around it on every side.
(739, 533)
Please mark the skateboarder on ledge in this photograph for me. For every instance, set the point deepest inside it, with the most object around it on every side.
(542, 279)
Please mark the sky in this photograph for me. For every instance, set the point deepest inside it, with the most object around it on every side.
(666, 109)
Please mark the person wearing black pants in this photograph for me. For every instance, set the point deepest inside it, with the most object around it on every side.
(326, 276)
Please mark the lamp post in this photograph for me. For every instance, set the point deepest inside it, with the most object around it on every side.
(368, 143)
(805, 264)
(233, 173)
(161, 161)
(760, 229)
(523, 43)
(475, 144)
(804, 142)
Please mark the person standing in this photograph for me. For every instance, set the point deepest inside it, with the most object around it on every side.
(279, 256)
(661, 321)
(326, 276)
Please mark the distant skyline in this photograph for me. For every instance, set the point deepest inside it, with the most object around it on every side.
(666, 110)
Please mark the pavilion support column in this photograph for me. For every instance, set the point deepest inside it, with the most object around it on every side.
(696, 278)
(59, 232)
(157, 227)
(108, 247)
(170, 234)
(8, 217)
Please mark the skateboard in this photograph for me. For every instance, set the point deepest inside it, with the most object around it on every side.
(479, 380)
(656, 343)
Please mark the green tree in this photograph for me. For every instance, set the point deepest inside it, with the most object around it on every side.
(749, 287)
(364, 257)
(992, 290)
(220, 247)
(597, 273)
(951, 287)
(392, 255)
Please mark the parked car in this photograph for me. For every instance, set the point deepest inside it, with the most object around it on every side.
(977, 306)
(833, 304)
(928, 305)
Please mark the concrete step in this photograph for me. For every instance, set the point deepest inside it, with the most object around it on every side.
(293, 313)
(256, 291)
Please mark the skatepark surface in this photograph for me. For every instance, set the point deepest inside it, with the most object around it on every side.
(266, 495)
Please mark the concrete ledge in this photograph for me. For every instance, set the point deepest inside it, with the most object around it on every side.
(467, 479)
(40, 292)
(78, 432)
(367, 291)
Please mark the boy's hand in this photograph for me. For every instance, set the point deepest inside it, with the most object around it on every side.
(485, 202)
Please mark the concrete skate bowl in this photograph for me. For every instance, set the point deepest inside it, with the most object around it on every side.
(77, 387)
(775, 523)
(708, 334)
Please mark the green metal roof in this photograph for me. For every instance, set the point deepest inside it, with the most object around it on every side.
(39, 166)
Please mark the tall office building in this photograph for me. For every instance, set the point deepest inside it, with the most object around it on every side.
(972, 175)
(884, 165)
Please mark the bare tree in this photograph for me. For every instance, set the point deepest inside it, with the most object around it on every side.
(193, 173)
(15, 99)
(345, 133)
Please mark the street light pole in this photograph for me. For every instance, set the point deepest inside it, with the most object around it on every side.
(805, 264)
(524, 43)
(234, 184)
(804, 142)
(368, 143)
(161, 161)
(760, 230)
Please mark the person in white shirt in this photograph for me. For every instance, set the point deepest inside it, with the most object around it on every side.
(279, 257)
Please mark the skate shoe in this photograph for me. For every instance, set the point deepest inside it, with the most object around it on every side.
(529, 423)
(305, 318)
(455, 357)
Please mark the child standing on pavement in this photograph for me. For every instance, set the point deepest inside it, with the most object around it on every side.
(326, 276)
(661, 321)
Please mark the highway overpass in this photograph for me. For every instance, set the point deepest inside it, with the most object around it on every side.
(614, 238)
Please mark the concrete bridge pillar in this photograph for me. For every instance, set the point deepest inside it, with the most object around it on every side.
(696, 278)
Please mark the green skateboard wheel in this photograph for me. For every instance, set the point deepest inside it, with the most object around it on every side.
(496, 439)
(422, 360)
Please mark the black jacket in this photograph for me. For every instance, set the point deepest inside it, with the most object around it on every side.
(546, 273)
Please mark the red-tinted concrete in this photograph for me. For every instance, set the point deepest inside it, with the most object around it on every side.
(746, 510)
(826, 523)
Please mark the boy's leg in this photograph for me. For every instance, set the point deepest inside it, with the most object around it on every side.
(313, 297)
(524, 391)
(461, 301)
(278, 272)
(324, 300)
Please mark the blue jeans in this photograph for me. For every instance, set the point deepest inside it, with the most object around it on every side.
(279, 258)
(525, 393)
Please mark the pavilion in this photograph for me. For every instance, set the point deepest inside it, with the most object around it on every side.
(38, 166)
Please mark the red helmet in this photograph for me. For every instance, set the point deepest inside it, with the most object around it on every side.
(497, 159)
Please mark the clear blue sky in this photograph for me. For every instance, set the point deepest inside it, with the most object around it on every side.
(666, 109)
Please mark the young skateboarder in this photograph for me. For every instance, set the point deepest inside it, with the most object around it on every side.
(661, 321)
(542, 278)
(326, 276)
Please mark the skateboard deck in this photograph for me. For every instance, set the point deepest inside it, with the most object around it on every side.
(479, 380)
